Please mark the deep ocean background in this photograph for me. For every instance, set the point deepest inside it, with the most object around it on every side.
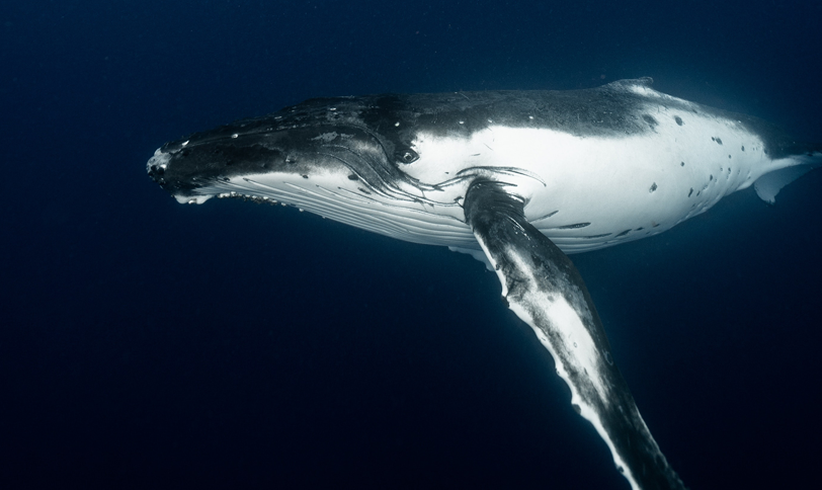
(145, 344)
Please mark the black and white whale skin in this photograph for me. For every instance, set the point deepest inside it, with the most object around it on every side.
(519, 179)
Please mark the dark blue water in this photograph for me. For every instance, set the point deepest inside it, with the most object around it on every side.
(149, 344)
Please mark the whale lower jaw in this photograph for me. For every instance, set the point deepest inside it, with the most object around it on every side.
(408, 220)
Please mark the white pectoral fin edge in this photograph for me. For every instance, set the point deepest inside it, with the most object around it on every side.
(544, 289)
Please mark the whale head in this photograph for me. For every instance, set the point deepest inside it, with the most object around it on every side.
(342, 158)
(320, 141)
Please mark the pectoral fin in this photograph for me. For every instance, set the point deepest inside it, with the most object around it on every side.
(544, 289)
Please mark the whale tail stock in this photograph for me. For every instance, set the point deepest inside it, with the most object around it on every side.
(788, 169)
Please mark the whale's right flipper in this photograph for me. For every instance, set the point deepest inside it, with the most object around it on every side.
(544, 289)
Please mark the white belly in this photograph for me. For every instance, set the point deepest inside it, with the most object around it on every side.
(591, 192)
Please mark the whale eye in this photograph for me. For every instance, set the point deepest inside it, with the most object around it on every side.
(407, 156)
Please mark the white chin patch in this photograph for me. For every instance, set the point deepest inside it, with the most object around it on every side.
(192, 199)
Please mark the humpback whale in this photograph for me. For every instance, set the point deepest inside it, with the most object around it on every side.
(518, 179)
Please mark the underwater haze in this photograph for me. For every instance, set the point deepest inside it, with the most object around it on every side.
(148, 344)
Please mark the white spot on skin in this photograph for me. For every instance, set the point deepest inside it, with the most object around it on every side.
(326, 137)
(192, 199)
(234, 136)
